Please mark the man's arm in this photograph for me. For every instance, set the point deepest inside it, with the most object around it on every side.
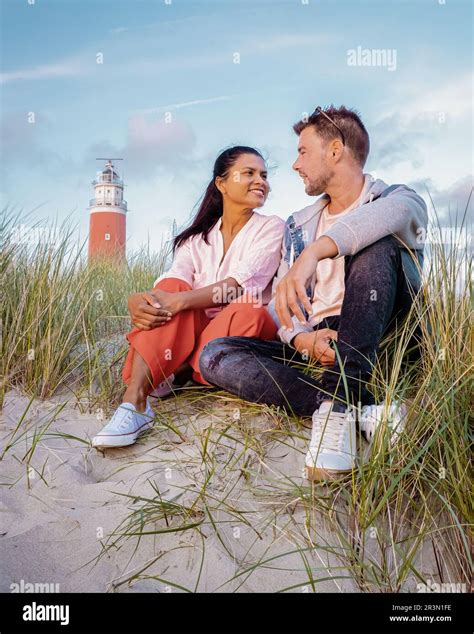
(402, 213)
(291, 291)
(284, 334)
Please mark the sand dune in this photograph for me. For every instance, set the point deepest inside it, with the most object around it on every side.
(237, 481)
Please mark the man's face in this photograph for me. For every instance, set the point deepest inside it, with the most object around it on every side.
(312, 162)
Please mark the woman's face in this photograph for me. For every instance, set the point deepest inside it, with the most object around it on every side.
(246, 183)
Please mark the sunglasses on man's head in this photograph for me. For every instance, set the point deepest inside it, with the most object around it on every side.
(319, 110)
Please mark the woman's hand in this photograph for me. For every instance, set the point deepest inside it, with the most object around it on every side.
(170, 302)
(316, 345)
(143, 314)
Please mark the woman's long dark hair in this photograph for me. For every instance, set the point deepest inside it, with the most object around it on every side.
(211, 207)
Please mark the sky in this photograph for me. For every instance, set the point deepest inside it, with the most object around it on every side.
(168, 84)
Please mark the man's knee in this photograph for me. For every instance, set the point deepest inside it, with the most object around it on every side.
(379, 260)
(210, 357)
(383, 249)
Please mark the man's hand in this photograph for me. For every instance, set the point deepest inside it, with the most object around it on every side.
(316, 345)
(291, 289)
(143, 314)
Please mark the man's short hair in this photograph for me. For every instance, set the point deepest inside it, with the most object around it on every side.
(355, 134)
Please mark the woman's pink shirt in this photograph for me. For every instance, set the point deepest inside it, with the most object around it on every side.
(252, 258)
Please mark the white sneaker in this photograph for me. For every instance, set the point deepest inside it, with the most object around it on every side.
(333, 450)
(165, 387)
(124, 427)
(374, 417)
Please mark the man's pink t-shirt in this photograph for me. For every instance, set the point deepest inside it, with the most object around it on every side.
(329, 288)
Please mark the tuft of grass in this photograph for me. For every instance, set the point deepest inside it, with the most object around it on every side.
(64, 319)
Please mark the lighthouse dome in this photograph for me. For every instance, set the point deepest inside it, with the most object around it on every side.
(108, 176)
(109, 171)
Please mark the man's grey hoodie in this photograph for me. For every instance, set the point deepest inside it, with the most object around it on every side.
(384, 210)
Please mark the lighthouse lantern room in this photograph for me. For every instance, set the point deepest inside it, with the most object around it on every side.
(107, 211)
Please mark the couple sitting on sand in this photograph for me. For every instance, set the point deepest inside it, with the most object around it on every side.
(347, 269)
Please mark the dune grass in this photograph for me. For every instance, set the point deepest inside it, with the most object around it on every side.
(63, 323)
(59, 314)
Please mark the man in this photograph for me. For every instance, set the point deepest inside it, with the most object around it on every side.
(350, 268)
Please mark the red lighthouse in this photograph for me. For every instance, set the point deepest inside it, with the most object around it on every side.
(107, 228)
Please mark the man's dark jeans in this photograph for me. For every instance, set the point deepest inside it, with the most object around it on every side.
(380, 283)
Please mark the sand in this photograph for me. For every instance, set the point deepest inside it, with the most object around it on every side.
(60, 503)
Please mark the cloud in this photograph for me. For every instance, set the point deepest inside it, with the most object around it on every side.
(407, 127)
(136, 38)
(186, 104)
(395, 142)
(151, 144)
(453, 97)
(67, 68)
(156, 26)
(28, 153)
(451, 202)
(282, 41)
(21, 141)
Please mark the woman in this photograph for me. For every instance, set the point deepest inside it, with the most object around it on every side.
(217, 286)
